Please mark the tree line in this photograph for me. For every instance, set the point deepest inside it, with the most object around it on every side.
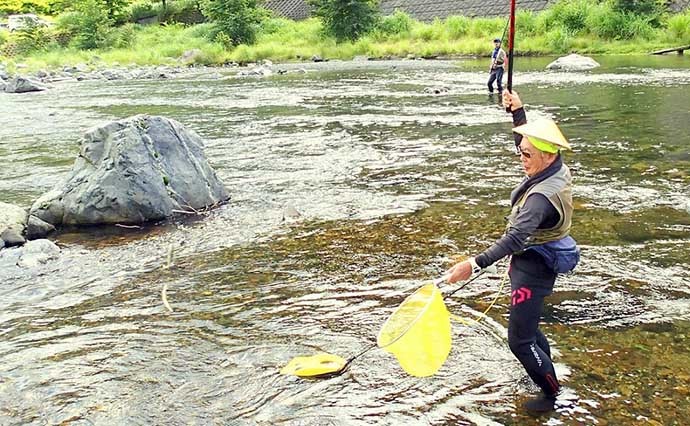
(91, 24)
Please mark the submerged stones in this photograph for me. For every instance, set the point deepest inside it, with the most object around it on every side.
(17, 226)
(437, 90)
(32, 254)
(139, 169)
(573, 62)
(12, 224)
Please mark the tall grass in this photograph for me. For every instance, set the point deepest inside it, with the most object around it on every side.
(678, 27)
(149, 46)
(569, 26)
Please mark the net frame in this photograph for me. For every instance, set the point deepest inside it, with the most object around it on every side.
(410, 324)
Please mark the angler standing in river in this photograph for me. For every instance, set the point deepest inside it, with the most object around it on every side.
(537, 239)
(498, 59)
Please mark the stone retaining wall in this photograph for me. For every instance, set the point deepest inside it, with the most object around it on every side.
(428, 10)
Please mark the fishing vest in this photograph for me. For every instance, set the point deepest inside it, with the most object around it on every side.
(498, 58)
(557, 189)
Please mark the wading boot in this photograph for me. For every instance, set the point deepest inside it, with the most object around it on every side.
(541, 404)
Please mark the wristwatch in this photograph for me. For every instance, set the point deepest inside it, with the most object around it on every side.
(475, 268)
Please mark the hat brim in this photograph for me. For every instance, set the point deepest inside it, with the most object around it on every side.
(545, 130)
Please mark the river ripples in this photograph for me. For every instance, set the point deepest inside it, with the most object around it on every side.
(350, 185)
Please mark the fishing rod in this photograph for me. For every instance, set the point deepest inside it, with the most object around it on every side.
(511, 48)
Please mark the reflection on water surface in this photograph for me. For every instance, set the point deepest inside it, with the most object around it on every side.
(391, 183)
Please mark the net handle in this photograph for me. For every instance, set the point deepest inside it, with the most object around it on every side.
(465, 284)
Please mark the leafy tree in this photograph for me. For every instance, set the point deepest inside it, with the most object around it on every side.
(32, 36)
(347, 19)
(236, 20)
(88, 24)
(115, 9)
(652, 10)
(24, 6)
(59, 6)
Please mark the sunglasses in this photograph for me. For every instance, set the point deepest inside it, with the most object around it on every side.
(525, 154)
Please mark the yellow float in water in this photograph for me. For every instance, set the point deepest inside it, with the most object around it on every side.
(317, 365)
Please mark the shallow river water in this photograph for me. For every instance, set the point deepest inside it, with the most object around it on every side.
(391, 184)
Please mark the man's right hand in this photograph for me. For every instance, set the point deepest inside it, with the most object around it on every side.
(460, 272)
(511, 100)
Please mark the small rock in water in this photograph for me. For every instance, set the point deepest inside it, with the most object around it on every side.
(36, 228)
(38, 252)
(12, 238)
(573, 62)
(437, 90)
(23, 85)
(290, 213)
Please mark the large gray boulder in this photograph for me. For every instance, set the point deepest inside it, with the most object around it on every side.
(13, 221)
(131, 171)
(573, 62)
(23, 85)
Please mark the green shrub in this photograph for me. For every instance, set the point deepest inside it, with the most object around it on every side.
(346, 20)
(142, 10)
(273, 25)
(679, 27)
(604, 22)
(202, 31)
(653, 10)
(122, 37)
(569, 14)
(88, 26)
(637, 6)
(399, 23)
(559, 40)
(526, 23)
(428, 32)
(182, 11)
(487, 28)
(10, 7)
(238, 19)
(36, 6)
(609, 24)
(31, 37)
(59, 6)
(242, 54)
(637, 26)
(223, 39)
(457, 26)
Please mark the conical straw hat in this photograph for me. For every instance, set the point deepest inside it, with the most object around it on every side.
(546, 130)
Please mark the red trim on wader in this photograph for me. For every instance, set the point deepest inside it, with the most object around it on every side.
(520, 295)
(553, 383)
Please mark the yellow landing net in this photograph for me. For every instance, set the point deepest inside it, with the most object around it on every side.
(418, 333)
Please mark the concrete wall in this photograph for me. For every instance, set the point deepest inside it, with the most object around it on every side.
(425, 10)
(293, 9)
(428, 10)
(679, 5)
